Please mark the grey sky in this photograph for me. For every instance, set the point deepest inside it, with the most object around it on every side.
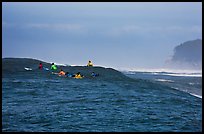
(119, 35)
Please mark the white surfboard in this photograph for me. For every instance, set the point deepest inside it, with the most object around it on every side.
(28, 69)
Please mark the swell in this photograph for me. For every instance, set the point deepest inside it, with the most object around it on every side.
(16, 66)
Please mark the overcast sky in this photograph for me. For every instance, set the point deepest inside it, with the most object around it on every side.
(118, 35)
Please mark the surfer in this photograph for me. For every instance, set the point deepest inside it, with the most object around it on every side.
(94, 74)
(40, 66)
(78, 76)
(69, 75)
(53, 67)
(61, 73)
(90, 64)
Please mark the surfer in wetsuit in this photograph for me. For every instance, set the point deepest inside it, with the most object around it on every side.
(78, 76)
(69, 75)
(40, 66)
(61, 72)
(53, 67)
(94, 74)
(90, 64)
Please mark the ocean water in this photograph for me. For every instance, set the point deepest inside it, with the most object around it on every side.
(148, 102)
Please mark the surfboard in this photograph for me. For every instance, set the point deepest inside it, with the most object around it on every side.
(47, 69)
(28, 69)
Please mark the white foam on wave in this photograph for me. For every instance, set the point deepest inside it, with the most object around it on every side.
(199, 96)
(170, 72)
(60, 64)
(190, 83)
(73, 65)
(196, 95)
(164, 80)
(155, 73)
(183, 74)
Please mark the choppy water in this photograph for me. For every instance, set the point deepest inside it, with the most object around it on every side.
(44, 102)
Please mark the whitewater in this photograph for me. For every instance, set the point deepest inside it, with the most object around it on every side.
(189, 81)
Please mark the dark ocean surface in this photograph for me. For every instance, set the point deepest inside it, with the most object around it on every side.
(40, 101)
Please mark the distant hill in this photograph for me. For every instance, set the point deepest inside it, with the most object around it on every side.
(187, 55)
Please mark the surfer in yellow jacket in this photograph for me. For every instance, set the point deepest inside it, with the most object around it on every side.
(90, 64)
(78, 76)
